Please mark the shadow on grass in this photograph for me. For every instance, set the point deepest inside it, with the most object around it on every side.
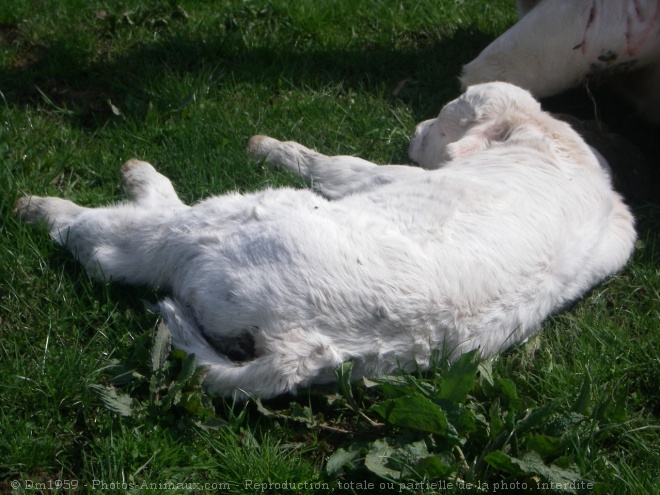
(80, 85)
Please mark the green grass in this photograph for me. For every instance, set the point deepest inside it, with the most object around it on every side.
(86, 85)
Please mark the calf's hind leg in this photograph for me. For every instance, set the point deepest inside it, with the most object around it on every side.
(55, 213)
(121, 242)
(147, 187)
(144, 185)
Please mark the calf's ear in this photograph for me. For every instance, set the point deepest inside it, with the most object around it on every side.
(466, 146)
(479, 138)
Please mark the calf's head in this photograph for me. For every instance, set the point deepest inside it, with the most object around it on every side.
(470, 123)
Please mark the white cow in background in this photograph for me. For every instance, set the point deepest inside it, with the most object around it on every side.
(557, 44)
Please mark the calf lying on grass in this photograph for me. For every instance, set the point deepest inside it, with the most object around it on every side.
(274, 289)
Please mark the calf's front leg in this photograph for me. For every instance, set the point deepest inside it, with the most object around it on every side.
(331, 176)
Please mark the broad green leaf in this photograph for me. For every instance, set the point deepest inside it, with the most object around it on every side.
(161, 348)
(502, 462)
(187, 369)
(406, 456)
(417, 413)
(537, 416)
(545, 445)
(531, 464)
(174, 396)
(459, 415)
(343, 374)
(614, 410)
(486, 373)
(495, 420)
(511, 425)
(198, 376)
(340, 458)
(508, 389)
(394, 459)
(377, 460)
(116, 402)
(558, 476)
(304, 414)
(581, 405)
(368, 383)
(436, 467)
(178, 353)
(193, 402)
(460, 377)
(402, 385)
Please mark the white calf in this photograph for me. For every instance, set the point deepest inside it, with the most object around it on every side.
(274, 289)
(557, 44)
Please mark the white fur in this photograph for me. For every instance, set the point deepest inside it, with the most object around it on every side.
(557, 44)
(519, 221)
